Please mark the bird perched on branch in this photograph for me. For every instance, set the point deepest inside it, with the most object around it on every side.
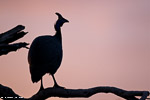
(45, 54)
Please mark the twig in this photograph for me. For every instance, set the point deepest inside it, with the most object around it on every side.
(6, 48)
(10, 36)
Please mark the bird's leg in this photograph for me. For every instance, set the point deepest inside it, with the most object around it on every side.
(55, 83)
(41, 87)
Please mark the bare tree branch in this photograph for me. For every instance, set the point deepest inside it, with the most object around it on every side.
(10, 36)
(6, 92)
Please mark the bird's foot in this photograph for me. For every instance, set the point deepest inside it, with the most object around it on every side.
(57, 86)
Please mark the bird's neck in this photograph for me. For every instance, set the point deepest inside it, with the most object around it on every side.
(58, 35)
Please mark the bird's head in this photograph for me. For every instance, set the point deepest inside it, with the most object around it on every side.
(60, 21)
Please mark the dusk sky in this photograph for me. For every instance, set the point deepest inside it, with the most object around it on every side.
(105, 43)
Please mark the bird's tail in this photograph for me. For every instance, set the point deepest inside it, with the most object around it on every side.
(36, 75)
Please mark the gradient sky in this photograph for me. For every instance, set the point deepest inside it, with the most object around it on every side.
(106, 43)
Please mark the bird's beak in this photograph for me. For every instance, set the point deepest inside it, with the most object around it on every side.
(65, 20)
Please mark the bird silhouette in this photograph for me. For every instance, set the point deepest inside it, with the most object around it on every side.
(45, 54)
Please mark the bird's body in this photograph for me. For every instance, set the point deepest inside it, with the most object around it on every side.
(45, 54)
(42, 47)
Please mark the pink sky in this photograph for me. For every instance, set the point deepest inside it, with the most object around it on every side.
(106, 43)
